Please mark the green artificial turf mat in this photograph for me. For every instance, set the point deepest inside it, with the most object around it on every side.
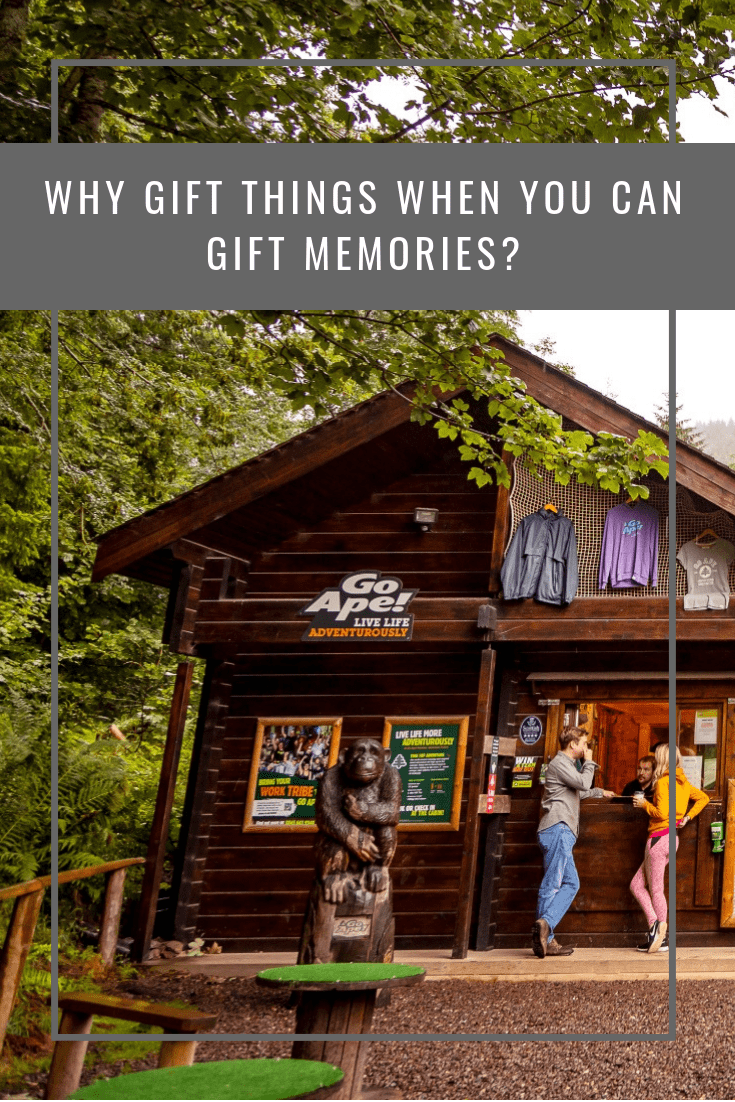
(340, 973)
(221, 1079)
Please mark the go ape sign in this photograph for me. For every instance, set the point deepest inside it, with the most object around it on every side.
(365, 605)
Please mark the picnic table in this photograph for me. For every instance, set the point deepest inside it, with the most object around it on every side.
(339, 999)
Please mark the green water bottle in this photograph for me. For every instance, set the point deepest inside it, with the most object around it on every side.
(718, 836)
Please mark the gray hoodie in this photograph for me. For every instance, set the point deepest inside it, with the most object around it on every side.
(565, 787)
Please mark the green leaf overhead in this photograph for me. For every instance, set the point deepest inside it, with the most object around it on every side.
(300, 103)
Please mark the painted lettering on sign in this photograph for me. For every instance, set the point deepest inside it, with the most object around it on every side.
(365, 605)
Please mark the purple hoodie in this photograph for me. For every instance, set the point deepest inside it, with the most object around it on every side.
(629, 554)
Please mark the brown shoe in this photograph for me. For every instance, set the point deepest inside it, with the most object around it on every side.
(540, 934)
(554, 949)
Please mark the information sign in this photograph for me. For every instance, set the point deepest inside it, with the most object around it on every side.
(429, 754)
(705, 727)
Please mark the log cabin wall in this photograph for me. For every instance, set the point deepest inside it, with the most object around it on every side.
(248, 890)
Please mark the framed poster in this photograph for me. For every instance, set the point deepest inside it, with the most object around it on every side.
(289, 757)
(429, 754)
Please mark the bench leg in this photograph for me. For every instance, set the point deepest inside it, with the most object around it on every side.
(68, 1058)
(176, 1054)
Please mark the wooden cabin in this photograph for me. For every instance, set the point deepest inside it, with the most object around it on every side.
(244, 554)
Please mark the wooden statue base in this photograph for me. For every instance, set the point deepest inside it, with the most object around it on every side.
(359, 929)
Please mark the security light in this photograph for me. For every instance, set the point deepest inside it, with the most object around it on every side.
(425, 518)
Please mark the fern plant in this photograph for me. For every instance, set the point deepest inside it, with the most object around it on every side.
(92, 792)
(24, 795)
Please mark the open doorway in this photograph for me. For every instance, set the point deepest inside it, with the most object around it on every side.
(619, 734)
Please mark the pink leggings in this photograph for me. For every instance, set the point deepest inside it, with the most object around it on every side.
(648, 883)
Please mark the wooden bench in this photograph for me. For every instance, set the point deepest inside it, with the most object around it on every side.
(77, 1013)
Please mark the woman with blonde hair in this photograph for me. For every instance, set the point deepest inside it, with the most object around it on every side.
(648, 883)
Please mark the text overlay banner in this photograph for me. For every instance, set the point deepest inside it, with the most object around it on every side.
(413, 226)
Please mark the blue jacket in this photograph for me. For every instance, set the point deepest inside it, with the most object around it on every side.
(542, 560)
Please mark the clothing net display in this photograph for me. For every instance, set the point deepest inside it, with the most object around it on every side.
(587, 508)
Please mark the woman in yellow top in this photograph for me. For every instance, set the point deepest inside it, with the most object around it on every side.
(648, 883)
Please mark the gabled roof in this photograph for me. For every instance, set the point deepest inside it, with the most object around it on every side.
(268, 497)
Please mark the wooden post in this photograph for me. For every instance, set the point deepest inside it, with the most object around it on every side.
(67, 1061)
(110, 924)
(18, 941)
(500, 529)
(494, 836)
(162, 814)
(495, 828)
(472, 825)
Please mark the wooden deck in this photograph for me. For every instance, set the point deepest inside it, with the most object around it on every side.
(507, 965)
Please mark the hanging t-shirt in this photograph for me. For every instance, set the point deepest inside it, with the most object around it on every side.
(629, 554)
(707, 573)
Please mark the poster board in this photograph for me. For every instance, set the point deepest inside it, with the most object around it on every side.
(290, 755)
(705, 726)
(692, 766)
(429, 755)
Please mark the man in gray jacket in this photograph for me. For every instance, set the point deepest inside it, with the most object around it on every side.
(557, 833)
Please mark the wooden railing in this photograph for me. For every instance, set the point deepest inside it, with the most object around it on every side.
(28, 898)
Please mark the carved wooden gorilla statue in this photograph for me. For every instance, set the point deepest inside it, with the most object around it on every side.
(357, 808)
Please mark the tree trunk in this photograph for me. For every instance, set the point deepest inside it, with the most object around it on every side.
(13, 23)
(86, 110)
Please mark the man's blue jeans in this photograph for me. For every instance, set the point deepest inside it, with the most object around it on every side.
(560, 883)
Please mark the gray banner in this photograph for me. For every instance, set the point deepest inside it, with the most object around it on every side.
(417, 226)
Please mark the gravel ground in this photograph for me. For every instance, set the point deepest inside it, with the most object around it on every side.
(700, 1064)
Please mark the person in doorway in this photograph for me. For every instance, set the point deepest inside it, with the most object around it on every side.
(647, 885)
(644, 778)
(557, 834)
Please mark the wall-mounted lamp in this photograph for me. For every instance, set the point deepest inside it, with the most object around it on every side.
(425, 518)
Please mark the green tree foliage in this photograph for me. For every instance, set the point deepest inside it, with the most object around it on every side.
(315, 357)
(25, 387)
(489, 104)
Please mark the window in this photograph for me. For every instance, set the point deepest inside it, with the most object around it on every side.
(698, 738)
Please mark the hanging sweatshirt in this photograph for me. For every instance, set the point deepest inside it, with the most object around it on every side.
(629, 554)
(542, 560)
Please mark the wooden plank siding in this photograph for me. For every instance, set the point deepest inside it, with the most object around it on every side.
(268, 618)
